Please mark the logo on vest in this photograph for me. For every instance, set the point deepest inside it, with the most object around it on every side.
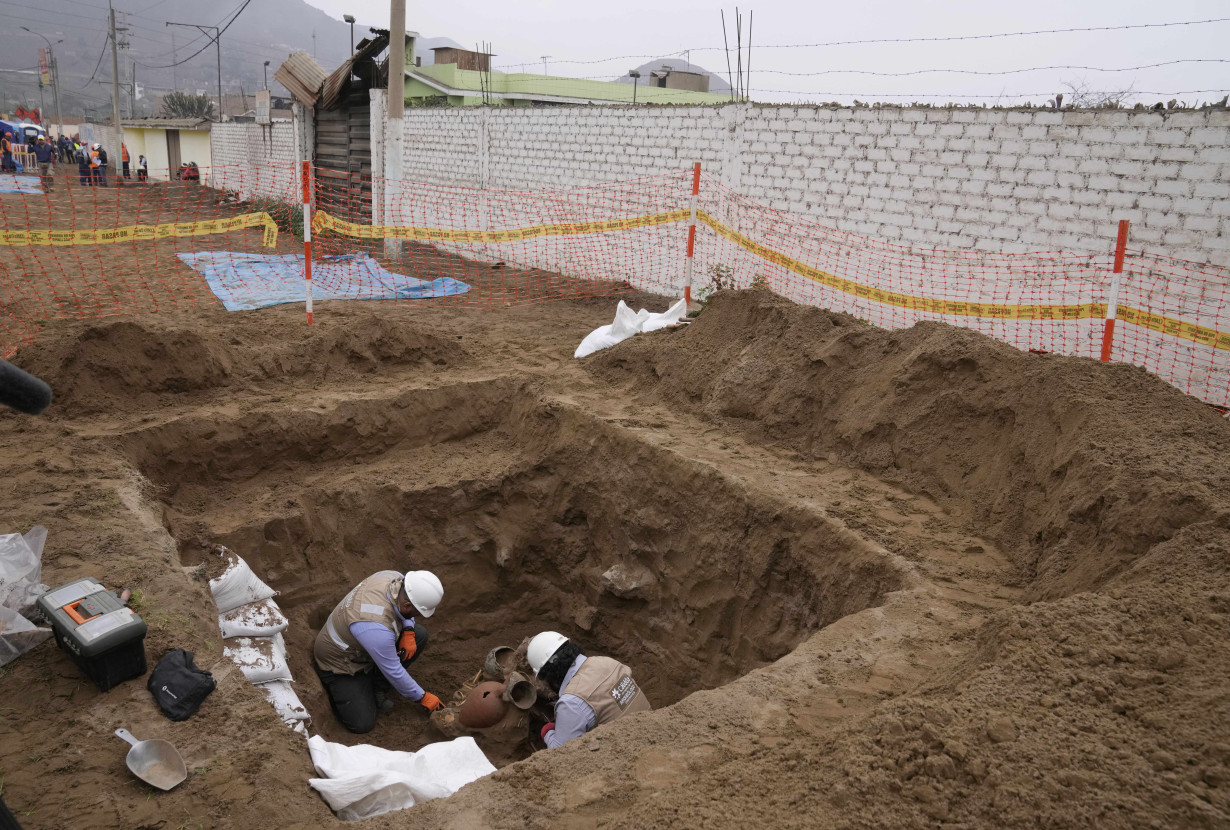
(624, 691)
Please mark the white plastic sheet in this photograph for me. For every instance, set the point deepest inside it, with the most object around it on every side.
(363, 781)
(21, 567)
(627, 323)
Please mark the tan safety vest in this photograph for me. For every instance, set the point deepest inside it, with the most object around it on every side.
(339, 651)
(607, 686)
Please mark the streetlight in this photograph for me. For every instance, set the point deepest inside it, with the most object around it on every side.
(55, 77)
(635, 76)
(349, 18)
(266, 74)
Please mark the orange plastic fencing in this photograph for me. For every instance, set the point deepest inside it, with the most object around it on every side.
(234, 239)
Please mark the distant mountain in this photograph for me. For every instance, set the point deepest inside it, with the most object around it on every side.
(267, 30)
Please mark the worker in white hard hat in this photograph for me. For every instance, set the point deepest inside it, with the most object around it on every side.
(592, 690)
(368, 641)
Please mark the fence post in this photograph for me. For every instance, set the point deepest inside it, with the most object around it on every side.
(687, 287)
(1108, 332)
(307, 236)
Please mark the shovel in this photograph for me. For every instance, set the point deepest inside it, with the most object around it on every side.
(155, 762)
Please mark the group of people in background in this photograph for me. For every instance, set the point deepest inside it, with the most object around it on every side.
(91, 159)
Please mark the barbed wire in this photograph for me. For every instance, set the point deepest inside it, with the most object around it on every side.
(872, 41)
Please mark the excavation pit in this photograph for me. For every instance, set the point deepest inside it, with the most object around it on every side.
(534, 514)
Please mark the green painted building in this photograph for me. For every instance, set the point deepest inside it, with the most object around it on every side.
(459, 78)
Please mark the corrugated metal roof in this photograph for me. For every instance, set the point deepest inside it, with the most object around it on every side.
(303, 76)
(335, 86)
(167, 123)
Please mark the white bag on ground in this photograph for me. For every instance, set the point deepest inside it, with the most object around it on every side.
(261, 659)
(627, 323)
(256, 619)
(363, 781)
(21, 568)
(238, 585)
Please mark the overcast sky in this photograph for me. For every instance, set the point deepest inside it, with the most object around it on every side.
(624, 30)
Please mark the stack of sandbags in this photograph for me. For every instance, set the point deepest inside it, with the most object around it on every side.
(252, 624)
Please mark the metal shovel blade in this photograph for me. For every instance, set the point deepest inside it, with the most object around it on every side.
(155, 762)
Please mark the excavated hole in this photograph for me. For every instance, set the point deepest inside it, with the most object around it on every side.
(534, 516)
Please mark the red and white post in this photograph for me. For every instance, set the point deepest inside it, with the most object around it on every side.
(307, 236)
(687, 286)
(1112, 306)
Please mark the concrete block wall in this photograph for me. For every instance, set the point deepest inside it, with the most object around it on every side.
(966, 179)
(254, 160)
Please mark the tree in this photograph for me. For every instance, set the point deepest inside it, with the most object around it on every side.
(183, 105)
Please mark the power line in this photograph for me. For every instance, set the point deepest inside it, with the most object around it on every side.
(212, 40)
(981, 72)
(102, 52)
(988, 37)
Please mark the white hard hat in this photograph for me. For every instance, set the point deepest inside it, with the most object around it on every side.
(97, 146)
(542, 647)
(424, 591)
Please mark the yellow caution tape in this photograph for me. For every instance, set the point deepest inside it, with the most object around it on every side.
(140, 233)
(324, 222)
(1085, 311)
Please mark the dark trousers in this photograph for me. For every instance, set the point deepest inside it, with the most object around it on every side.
(353, 696)
(142, 175)
(126, 173)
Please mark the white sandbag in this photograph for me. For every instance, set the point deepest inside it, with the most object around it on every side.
(284, 699)
(363, 781)
(261, 659)
(21, 567)
(256, 619)
(627, 323)
(238, 585)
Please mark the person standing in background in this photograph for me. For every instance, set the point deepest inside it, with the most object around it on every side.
(6, 153)
(45, 156)
(102, 164)
(142, 169)
(124, 159)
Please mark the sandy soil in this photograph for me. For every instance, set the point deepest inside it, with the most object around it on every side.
(867, 578)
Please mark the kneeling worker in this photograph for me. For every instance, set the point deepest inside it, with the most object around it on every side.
(592, 690)
(373, 627)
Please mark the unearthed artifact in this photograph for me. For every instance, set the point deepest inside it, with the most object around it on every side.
(500, 663)
(520, 691)
(484, 706)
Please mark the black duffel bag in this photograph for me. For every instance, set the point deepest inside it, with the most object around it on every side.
(178, 685)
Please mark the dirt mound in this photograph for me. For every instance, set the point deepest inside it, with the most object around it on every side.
(149, 361)
(1076, 467)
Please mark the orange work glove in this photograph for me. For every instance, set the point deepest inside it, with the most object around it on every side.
(430, 702)
(406, 645)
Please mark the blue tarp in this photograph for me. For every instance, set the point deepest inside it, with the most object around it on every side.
(247, 281)
(20, 184)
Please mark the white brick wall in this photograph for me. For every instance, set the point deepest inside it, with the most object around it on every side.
(254, 160)
(994, 180)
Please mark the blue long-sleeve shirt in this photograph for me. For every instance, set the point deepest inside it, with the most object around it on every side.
(381, 645)
(573, 716)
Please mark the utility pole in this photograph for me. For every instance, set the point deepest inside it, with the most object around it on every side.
(393, 134)
(42, 106)
(115, 96)
(132, 108)
(217, 38)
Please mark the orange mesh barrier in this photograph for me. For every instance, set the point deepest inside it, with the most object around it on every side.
(84, 251)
